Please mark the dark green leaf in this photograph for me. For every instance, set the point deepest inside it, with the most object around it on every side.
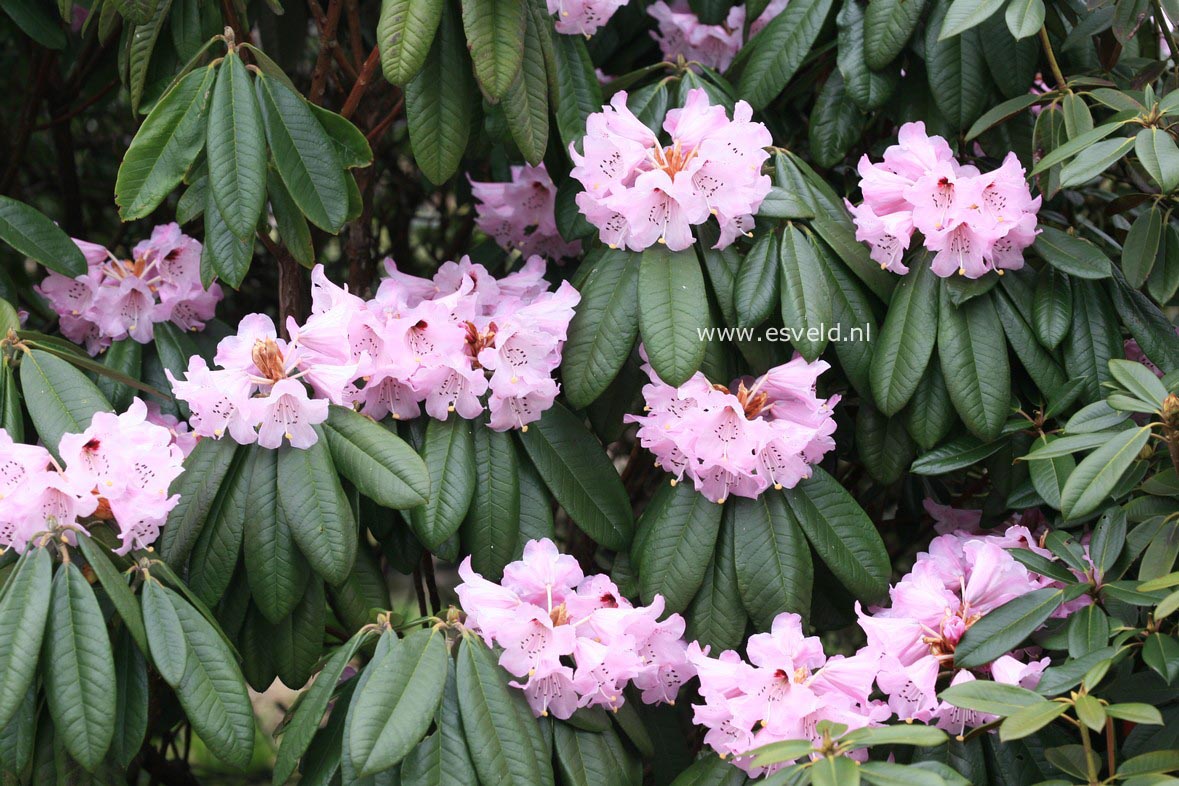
(404, 32)
(439, 120)
(674, 543)
(317, 510)
(603, 330)
(376, 460)
(1003, 629)
(60, 398)
(774, 570)
(236, 149)
(673, 312)
(906, 340)
(779, 49)
(449, 454)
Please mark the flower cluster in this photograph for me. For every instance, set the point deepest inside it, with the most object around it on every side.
(682, 34)
(788, 686)
(445, 342)
(118, 469)
(256, 394)
(962, 577)
(639, 192)
(583, 17)
(767, 433)
(973, 222)
(573, 639)
(521, 214)
(116, 298)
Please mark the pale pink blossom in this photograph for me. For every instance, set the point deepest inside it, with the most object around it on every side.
(754, 435)
(583, 17)
(973, 222)
(639, 191)
(521, 213)
(117, 299)
(573, 640)
(682, 34)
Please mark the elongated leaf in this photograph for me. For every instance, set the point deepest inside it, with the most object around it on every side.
(24, 607)
(143, 44)
(394, 711)
(237, 149)
(1003, 629)
(779, 49)
(957, 72)
(499, 736)
(165, 146)
(526, 105)
(930, 414)
(603, 330)
(495, 36)
(1094, 160)
(1040, 365)
(757, 282)
(1159, 156)
(580, 476)
(79, 673)
(888, 25)
(165, 637)
(1024, 17)
(674, 544)
(131, 696)
(299, 730)
(305, 157)
(440, 120)
(673, 312)
(906, 341)
(317, 510)
(965, 14)
(449, 454)
(1073, 255)
(716, 616)
(378, 462)
(869, 89)
(973, 354)
(995, 698)
(806, 300)
(1053, 307)
(491, 532)
(1029, 720)
(774, 570)
(572, 80)
(215, 555)
(842, 535)
(115, 584)
(204, 469)
(1097, 475)
(587, 758)
(404, 32)
(212, 691)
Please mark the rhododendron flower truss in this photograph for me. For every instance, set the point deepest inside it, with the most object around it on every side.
(255, 394)
(682, 34)
(459, 343)
(520, 214)
(742, 439)
(573, 640)
(963, 576)
(972, 221)
(784, 690)
(641, 190)
(117, 470)
(120, 298)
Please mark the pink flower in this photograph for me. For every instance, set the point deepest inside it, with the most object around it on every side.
(117, 299)
(682, 34)
(583, 17)
(118, 469)
(639, 192)
(520, 214)
(782, 692)
(574, 640)
(767, 433)
(974, 222)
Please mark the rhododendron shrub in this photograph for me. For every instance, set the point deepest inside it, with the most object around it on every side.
(621, 392)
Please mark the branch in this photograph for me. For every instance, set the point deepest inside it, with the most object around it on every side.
(362, 82)
(327, 43)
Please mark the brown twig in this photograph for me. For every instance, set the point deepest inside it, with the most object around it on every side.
(327, 42)
(362, 82)
(380, 128)
(354, 35)
(290, 287)
(420, 591)
(80, 108)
